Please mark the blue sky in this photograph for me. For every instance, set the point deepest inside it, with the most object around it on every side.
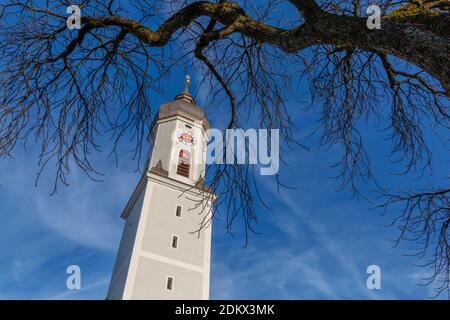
(314, 243)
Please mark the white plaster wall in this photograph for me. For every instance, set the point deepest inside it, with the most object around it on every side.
(163, 145)
(153, 257)
(121, 267)
(162, 224)
(151, 280)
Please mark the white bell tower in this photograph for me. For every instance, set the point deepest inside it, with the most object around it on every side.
(159, 255)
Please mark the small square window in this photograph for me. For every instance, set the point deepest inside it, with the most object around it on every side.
(178, 212)
(169, 285)
(174, 242)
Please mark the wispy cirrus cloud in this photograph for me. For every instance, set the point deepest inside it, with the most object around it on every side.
(43, 234)
(314, 244)
(276, 275)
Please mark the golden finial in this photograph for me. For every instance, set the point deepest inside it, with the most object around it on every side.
(187, 81)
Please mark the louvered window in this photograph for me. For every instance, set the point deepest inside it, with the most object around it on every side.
(184, 163)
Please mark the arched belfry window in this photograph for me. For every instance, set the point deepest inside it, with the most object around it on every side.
(184, 163)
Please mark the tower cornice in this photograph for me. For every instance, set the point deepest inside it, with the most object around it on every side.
(197, 190)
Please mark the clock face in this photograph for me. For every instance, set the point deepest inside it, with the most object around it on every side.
(186, 138)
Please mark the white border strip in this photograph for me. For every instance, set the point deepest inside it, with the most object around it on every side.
(170, 261)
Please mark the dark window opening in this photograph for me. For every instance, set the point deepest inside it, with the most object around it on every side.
(174, 242)
(169, 285)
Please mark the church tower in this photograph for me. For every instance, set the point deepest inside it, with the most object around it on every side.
(160, 255)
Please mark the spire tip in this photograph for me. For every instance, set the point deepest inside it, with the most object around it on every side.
(185, 95)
